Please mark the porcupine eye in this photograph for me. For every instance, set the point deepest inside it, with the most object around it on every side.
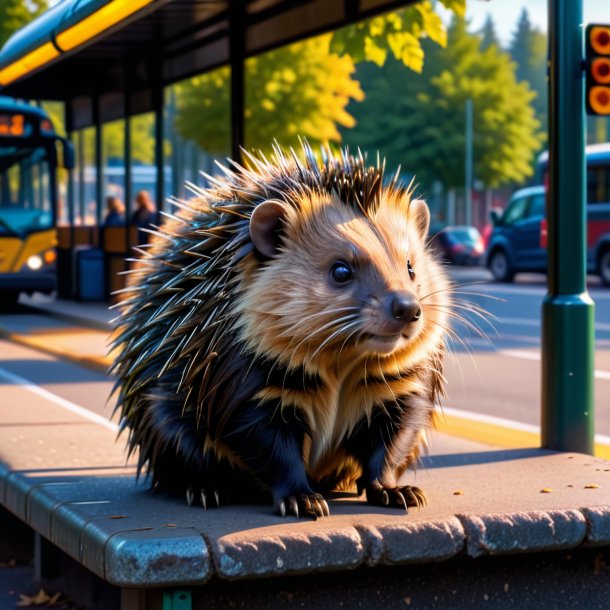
(410, 270)
(341, 272)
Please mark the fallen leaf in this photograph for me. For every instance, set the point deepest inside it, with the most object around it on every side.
(592, 486)
(27, 601)
(458, 492)
(546, 490)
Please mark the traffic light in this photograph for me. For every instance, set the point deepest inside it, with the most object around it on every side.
(597, 54)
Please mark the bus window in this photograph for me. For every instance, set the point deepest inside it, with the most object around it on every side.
(26, 202)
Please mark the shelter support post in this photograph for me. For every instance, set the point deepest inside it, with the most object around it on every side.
(99, 172)
(237, 50)
(567, 310)
(158, 109)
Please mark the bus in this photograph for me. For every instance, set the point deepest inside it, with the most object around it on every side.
(518, 240)
(30, 155)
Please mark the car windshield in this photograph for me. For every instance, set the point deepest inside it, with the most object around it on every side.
(467, 235)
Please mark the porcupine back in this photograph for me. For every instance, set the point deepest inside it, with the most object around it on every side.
(180, 341)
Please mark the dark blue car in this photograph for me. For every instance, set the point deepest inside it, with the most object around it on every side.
(514, 244)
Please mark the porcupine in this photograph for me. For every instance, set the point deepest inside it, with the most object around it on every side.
(285, 332)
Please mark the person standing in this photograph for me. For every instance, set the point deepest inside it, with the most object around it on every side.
(144, 215)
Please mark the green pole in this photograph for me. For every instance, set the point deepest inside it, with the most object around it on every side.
(568, 340)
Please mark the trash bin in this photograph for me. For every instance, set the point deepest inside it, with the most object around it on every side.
(89, 274)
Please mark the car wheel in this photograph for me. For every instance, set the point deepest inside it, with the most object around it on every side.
(604, 267)
(500, 267)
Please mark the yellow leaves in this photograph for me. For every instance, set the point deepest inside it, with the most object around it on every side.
(407, 48)
(432, 24)
(40, 599)
(399, 32)
(373, 52)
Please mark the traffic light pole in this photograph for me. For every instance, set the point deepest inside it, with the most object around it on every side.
(567, 310)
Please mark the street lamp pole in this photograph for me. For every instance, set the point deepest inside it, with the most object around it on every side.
(567, 310)
(469, 164)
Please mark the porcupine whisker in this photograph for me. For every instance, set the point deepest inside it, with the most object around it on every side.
(323, 328)
(463, 320)
(475, 310)
(454, 337)
(309, 337)
(329, 339)
(291, 330)
(355, 331)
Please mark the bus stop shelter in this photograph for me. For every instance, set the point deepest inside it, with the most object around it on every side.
(110, 60)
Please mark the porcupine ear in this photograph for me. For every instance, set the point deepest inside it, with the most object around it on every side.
(419, 214)
(265, 225)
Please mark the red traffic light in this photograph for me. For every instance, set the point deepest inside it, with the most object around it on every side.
(599, 37)
(599, 100)
(598, 69)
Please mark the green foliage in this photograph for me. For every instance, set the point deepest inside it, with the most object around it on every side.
(528, 49)
(488, 34)
(299, 90)
(14, 14)
(418, 121)
(399, 33)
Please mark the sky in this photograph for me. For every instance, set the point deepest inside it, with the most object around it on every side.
(506, 12)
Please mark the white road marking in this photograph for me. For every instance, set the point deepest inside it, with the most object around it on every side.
(30, 386)
(537, 322)
(514, 353)
(506, 423)
(596, 293)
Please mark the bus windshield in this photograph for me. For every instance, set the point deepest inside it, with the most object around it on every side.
(25, 191)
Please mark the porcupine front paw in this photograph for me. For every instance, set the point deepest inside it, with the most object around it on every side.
(398, 497)
(303, 505)
(204, 496)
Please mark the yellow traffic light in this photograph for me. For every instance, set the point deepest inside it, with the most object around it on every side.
(598, 69)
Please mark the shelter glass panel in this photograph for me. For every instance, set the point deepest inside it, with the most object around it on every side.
(143, 168)
(197, 129)
(85, 177)
(113, 164)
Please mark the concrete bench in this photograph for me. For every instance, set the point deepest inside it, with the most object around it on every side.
(67, 480)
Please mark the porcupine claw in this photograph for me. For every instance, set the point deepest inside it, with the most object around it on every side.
(217, 498)
(204, 499)
(190, 496)
(397, 497)
(307, 505)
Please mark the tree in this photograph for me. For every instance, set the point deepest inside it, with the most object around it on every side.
(14, 14)
(488, 34)
(399, 34)
(418, 121)
(304, 89)
(528, 48)
(299, 90)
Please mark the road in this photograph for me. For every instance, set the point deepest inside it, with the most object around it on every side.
(494, 371)
(498, 374)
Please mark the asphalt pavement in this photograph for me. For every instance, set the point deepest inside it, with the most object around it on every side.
(494, 370)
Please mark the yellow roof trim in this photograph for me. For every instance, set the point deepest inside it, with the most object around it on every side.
(76, 35)
(97, 22)
(33, 60)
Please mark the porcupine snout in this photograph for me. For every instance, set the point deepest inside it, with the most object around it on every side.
(404, 307)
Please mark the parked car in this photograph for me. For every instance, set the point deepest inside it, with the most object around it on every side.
(515, 244)
(518, 239)
(460, 245)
